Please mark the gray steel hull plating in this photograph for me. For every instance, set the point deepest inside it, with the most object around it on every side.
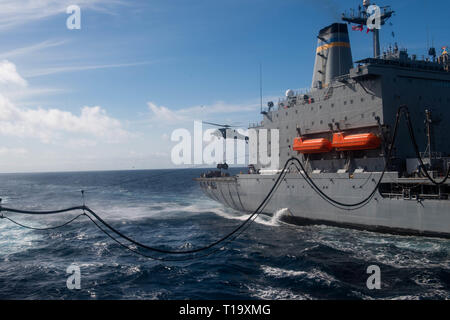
(429, 217)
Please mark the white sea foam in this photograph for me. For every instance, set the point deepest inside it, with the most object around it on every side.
(313, 274)
(5, 199)
(271, 293)
(373, 247)
(272, 221)
(155, 210)
(281, 273)
(431, 294)
(15, 239)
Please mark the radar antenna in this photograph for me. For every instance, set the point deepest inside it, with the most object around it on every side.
(360, 18)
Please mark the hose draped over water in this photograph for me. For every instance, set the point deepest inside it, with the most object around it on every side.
(109, 230)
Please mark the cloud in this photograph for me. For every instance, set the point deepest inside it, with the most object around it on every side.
(55, 70)
(14, 86)
(9, 75)
(164, 115)
(24, 94)
(13, 151)
(14, 12)
(48, 124)
(30, 49)
(220, 107)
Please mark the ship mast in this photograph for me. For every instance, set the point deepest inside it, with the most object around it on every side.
(361, 17)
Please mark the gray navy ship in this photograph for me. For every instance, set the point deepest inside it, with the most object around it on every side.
(366, 147)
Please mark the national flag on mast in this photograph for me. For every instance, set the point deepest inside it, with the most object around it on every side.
(358, 28)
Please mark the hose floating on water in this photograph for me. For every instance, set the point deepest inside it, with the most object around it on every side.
(102, 224)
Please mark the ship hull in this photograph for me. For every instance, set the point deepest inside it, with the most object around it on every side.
(384, 213)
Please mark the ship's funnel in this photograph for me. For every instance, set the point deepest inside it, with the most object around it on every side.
(333, 55)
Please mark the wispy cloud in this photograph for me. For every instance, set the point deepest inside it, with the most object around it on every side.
(24, 93)
(64, 69)
(14, 12)
(12, 151)
(164, 115)
(30, 49)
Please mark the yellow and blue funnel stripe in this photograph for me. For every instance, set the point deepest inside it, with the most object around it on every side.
(334, 42)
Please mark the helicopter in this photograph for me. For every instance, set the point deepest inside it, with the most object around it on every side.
(225, 131)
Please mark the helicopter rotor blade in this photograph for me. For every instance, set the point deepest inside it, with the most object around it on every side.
(226, 126)
(215, 124)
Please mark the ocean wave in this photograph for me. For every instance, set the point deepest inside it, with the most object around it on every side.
(392, 250)
(14, 239)
(313, 274)
(273, 293)
(271, 221)
(282, 273)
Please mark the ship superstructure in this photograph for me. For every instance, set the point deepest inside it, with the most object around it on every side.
(341, 131)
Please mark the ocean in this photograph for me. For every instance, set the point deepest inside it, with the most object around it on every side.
(166, 209)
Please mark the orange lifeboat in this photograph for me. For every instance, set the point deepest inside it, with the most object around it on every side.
(363, 141)
(312, 145)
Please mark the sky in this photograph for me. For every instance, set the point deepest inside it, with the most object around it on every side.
(109, 95)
